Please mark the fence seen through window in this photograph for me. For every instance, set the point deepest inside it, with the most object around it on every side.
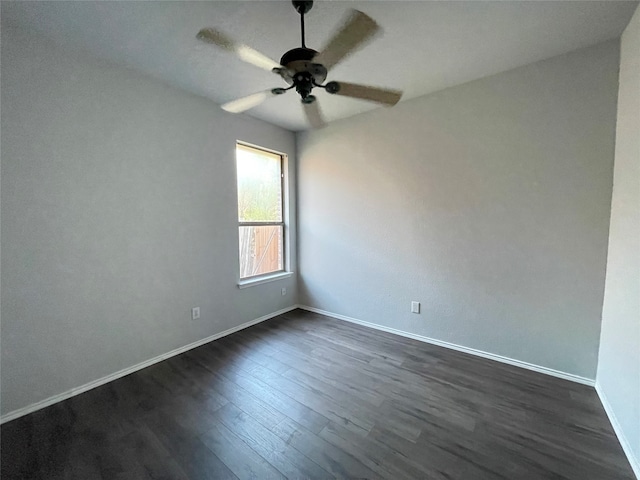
(260, 211)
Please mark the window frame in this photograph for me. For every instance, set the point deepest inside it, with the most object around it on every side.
(284, 195)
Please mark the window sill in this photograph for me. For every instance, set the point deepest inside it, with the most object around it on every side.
(252, 282)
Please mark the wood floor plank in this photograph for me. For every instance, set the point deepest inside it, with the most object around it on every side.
(280, 401)
(306, 396)
(310, 379)
(339, 463)
(261, 410)
(341, 410)
(148, 457)
(243, 461)
(248, 350)
(193, 456)
(435, 460)
(291, 462)
(373, 455)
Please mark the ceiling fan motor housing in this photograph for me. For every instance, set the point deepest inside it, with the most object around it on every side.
(298, 54)
(301, 71)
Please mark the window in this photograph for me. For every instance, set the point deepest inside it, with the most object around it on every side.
(260, 211)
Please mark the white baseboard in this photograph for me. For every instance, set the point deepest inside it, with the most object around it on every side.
(626, 446)
(126, 371)
(491, 356)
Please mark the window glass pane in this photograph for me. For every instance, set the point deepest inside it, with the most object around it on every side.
(260, 250)
(259, 185)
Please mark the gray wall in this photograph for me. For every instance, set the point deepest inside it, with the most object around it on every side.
(487, 202)
(118, 215)
(618, 377)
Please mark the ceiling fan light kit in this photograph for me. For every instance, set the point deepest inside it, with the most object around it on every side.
(304, 69)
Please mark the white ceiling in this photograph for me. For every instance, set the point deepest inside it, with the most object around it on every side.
(426, 46)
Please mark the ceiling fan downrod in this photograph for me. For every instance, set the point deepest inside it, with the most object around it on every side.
(300, 71)
(302, 7)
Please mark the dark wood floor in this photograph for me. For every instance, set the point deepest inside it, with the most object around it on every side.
(305, 396)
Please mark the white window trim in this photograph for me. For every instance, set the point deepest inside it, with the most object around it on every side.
(270, 277)
(286, 272)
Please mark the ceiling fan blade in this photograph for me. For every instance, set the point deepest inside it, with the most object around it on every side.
(244, 52)
(373, 94)
(312, 111)
(357, 29)
(245, 103)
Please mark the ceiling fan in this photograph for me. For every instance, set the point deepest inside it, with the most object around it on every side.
(304, 68)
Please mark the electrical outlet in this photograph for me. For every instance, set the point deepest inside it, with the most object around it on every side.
(415, 307)
(283, 291)
(195, 313)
